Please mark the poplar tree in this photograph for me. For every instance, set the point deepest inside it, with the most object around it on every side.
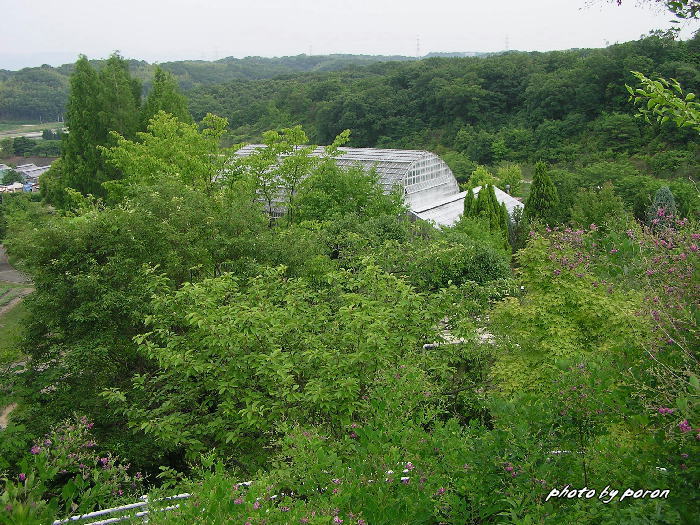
(544, 199)
(98, 103)
(165, 96)
(80, 159)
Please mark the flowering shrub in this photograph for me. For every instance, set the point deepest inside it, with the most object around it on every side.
(65, 473)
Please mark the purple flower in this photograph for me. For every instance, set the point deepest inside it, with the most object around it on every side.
(614, 250)
(509, 468)
(22, 476)
(593, 227)
(684, 426)
(405, 480)
(361, 522)
(353, 435)
(286, 509)
(337, 520)
(336, 481)
(440, 491)
(8, 507)
(238, 501)
(47, 443)
(35, 450)
(256, 505)
(410, 466)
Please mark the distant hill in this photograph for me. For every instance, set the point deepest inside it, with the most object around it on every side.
(42, 92)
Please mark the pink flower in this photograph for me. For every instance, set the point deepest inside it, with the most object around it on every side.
(440, 491)
(256, 505)
(614, 250)
(285, 509)
(353, 435)
(361, 522)
(693, 247)
(22, 476)
(509, 468)
(35, 450)
(337, 520)
(410, 466)
(336, 481)
(684, 426)
(238, 501)
(593, 227)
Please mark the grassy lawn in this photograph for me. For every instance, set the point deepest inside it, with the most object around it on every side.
(10, 334)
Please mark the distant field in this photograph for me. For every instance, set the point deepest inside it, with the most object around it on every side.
(19, 128)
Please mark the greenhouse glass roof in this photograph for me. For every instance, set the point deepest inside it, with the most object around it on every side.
(430, 189)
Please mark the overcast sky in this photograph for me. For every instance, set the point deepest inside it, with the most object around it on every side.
(48, 31)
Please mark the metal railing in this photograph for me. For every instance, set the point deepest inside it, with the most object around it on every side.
(124, 508)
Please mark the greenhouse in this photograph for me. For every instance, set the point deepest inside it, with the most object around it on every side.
(430, 189)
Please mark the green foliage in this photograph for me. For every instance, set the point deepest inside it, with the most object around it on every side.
(10, 176)
(510, 178)
(164, 96)
(170, 149)
(543, 201)
(665, 100)
(481, 176)
(602, 207)
(252, 350)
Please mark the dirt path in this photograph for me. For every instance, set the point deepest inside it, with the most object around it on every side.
(15, 300)
(4, 415)
(7, 272)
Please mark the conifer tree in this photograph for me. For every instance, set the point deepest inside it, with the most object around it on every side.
(80, 160)
(662, 211)
(544, 199)
(468, 203)
(119, 100)
(165, 96)
(98, 103)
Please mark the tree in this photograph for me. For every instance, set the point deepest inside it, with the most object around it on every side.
(683, 9)
(481, 176)
(81, 166)
(601, 207)
(468, 203)
(164, 96)
(10, 176)
(510, 177)
(23, 145)
(665, 100)
(171, 148)
(543, 200)
(7, 147)
(662, 211)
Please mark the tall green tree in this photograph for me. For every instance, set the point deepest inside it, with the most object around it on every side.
(165, 96)
(542, 204)
(80, 163)
(99, 103)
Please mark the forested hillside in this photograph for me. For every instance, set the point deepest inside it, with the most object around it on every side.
(42, 92)
(553, 106)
